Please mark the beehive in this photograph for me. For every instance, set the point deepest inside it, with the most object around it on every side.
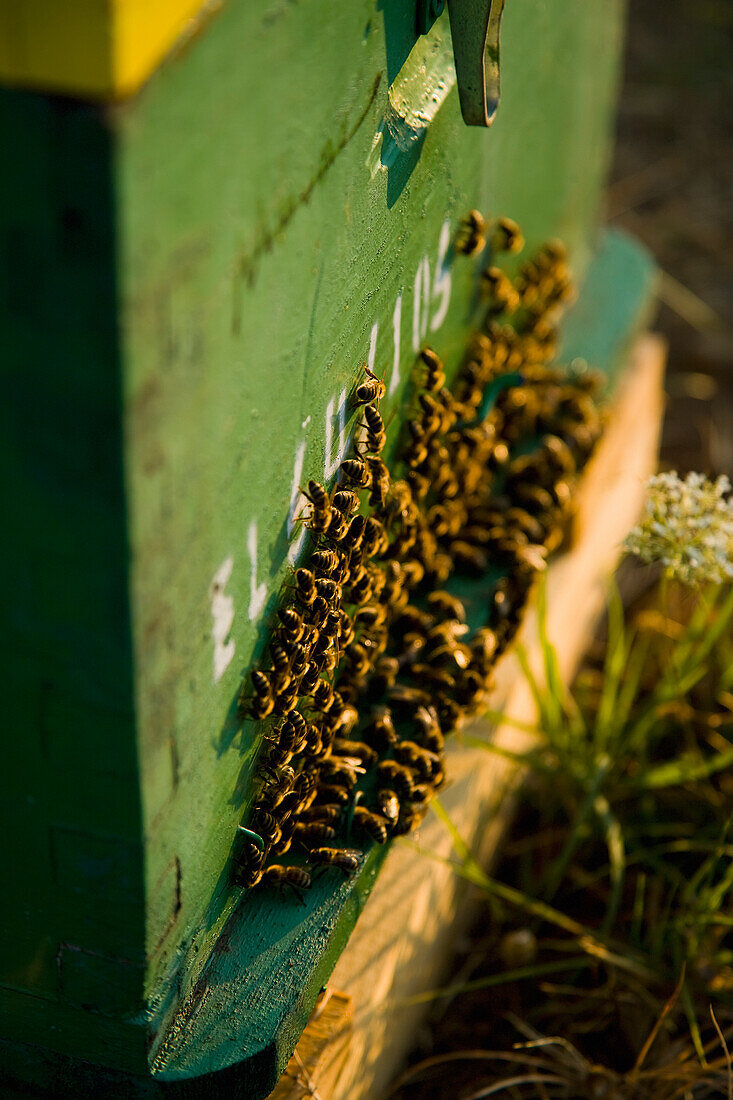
(200, 257)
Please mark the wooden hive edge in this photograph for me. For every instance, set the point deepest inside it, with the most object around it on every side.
(405, 939)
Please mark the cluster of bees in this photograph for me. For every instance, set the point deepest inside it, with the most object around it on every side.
(373, 660)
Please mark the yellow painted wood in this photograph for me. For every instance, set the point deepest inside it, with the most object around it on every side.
(100, 49)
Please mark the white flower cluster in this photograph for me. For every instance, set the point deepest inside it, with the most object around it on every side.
(688, 527)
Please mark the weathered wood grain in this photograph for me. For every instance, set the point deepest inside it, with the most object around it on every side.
(193, 281)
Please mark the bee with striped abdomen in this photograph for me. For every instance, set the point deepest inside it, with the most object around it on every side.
(471, 235)
(320, 512)
(371, 390)
(261, 701)
(345, 859)
(372, 824)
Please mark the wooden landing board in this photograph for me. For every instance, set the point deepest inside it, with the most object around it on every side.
(406, 937)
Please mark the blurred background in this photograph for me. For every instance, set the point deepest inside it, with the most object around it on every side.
(671, 185)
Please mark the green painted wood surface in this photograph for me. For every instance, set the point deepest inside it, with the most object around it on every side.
(192, 281)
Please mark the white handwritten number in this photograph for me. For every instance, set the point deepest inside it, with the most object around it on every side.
(442, 282)
(333, 463)
(222, 615)
(420, 310)
(257, 592)
(372, 357)
(297, 503)
(430, 305)
(396, 330)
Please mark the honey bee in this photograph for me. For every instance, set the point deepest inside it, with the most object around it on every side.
(506, 236)
(498, 287)
(329, 794)
(395, 776)
(409, 819)
(484, 646)
(427, 729)
(337, 527)
(432, 414)
(314, 740)
(407, 699)
(372, 824)
(267, 826)
(285, 841)
(534, 497)
(317, 613)
(358, 749)
(388, 804)
(305, 586)
(342, 770)
(376, 436)
(450, 713)
(378, 578)
(469, 559)
(362, 587)
(384, 675)
(421, 793)
(379, 475)
(418, 759)
(345, 859)
(447, 606)
(307, 832)
(299, 661)
(355, 471)
(292, 803)
(438, 678)
(320, 513)
(286, 700)
(291, 626)
(247, 866)
(262, 701)
(358, 660)
(329, 590)
(371, 615)
(325, 562)
(327, 814)
(470, 688)
(418, 483)
(345, 502)
(345, 629)
(375, 537)
(528, 524)
(471, 235)
(343, 721)
(276, 755)
(278, 875)
(413, 572)
(372, 390)
(322, 695)
(280, 674)
(353, 533)
(275, 790)
(432, 370)
(310, 679)
(380, 731)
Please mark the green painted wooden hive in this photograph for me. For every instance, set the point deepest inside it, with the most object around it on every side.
(195, 269)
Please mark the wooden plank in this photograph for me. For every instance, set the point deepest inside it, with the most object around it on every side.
(99, 49)
(180, 323)
(407, 934)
